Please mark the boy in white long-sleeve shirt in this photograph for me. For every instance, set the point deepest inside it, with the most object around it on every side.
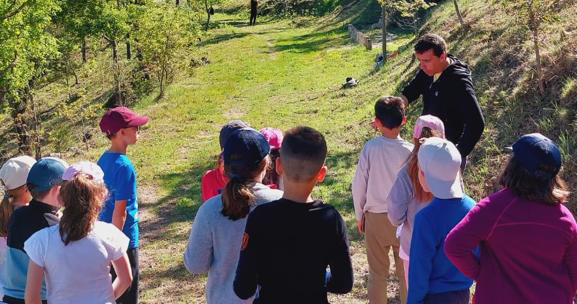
(379, 163)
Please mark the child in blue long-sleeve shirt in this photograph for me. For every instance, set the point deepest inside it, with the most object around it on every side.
(432, 277)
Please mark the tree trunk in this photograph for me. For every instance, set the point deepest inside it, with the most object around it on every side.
(36, 127)
(384, 16)
(83, 49)
(17, 112)
(534, 27)
(114, 54)
(177, 2)
(459, 14)
(207, 14)
(128, 50)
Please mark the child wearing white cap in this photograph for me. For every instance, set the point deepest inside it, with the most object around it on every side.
(432, 277)
(13, 175)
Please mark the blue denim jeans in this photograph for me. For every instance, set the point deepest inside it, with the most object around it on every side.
(449, 297)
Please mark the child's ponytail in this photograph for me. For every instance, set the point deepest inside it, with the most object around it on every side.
(6, 209)
(82, 197)
(238, 197)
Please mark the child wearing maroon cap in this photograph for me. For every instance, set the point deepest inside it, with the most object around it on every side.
(121, 126)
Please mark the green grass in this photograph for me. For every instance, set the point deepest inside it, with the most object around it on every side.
(283, 73)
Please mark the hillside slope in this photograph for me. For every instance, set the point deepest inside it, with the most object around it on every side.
(283, 73)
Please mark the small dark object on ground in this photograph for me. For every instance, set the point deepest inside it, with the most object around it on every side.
(350, 83)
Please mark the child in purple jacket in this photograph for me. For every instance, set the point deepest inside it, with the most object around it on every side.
(528, 238)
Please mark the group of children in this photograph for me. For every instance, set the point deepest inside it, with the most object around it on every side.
(49, 255)
(264, 245)
(262, 237)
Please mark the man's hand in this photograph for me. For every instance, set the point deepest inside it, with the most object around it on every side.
(361, 225)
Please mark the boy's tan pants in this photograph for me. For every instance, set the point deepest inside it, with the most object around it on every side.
(380, 237)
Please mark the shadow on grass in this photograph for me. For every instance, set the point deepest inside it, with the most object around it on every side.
(313, 42)
(179, 205)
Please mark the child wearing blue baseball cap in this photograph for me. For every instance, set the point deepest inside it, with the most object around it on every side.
(217, 231)
(43, 181)
(527, 237)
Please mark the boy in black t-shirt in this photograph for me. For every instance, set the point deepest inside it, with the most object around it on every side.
(289, 243)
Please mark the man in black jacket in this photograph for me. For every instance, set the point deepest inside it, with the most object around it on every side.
(448, 93)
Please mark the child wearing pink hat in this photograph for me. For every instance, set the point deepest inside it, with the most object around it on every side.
(274, 138)
(407, 196)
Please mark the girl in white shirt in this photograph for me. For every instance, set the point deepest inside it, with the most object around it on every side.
(76, 254)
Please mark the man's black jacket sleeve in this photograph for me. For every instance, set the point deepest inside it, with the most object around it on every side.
(472, 116)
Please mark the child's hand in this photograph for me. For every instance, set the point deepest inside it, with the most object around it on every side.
(361, 225)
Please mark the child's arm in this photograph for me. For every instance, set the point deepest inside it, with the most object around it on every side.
(423, 250)
(245, 282)
(571, 263)
(119, 214)
(123, 275)
(125, 190)
(467, 235)
(341, 280)
(359, 188)
(199, 251)
(398, 200)
(33, 283)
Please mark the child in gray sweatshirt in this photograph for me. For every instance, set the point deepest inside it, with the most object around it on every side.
(217, 231)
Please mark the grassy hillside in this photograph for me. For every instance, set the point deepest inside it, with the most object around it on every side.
(283, 73)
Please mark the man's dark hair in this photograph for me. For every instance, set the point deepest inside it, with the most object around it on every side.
(390, 111)
(302, 153)
(431, 42)
(548, 188)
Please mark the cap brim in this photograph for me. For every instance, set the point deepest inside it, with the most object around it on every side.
(138, 121)
(445, 189)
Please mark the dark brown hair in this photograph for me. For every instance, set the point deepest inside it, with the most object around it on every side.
(421, 195)
(431, 41)
(271, 176)
(36, 194)
(549, 189)
(82, 198)
(390, 111)
(303, 153)
(237, 196)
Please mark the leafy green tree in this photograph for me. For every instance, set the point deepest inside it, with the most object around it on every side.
(533, 14)
(165, 36)
(406, 9)
(27, 46)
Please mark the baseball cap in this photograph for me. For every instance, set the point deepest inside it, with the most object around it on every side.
(120, 118)
(228, 129)
(14, 172)
(245, 146)
(538, 155)
(46, 173)
(431, 122)
(440, 162)
(85, 167)
(273, 137)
